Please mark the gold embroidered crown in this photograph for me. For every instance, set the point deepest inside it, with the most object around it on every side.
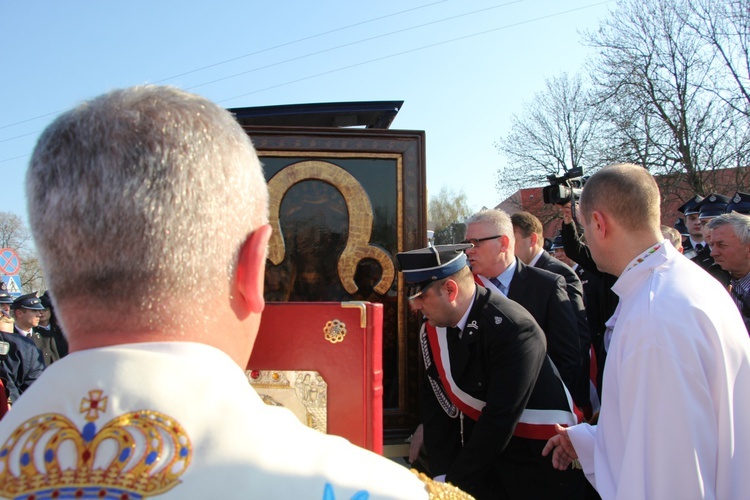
(135, 455)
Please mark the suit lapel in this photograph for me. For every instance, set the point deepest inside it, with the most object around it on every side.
(519, 283)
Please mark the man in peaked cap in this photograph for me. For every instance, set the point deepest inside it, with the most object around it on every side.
(692, 221)
(28, 311)
(5, 301)
(23, 363)
(487, 374)
(739, 203)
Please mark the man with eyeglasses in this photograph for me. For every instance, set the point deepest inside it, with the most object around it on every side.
(490, 393)
(540, 292)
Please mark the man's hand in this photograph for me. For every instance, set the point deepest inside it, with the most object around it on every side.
(416, 441)
(562, 449)
(566, 212)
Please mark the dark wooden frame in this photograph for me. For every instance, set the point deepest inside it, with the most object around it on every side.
(408, 149)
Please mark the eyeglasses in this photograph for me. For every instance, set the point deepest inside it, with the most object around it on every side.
(477, 241)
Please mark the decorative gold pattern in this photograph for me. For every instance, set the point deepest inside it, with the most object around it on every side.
(362, 310)
(335, 331)
(442, 491)
(134, 455)
(305, 393)
(360, 220)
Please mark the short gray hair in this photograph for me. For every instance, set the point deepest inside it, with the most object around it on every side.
(740, 225)
(499, 219)
(143, 195)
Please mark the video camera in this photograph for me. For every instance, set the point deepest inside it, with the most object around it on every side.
(564, 188)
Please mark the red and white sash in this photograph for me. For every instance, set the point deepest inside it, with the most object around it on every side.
(533, 424)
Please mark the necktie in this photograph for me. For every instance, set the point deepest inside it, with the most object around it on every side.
(453, 333)
(499, 285)
(698, 247)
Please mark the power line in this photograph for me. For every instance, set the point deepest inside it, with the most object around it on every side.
(415, 50)
(383, 35)
(268, 49)
(15, 158)
(424, 47)
(302, 40)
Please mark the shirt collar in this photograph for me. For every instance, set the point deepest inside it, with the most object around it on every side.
(536, 257)
(640, 265)
(506, 276)
(462, 323)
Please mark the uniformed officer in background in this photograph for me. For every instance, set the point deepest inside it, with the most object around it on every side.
(490, 392)
(5, 301)
(23, 363)
(28, 311)
(694, 242)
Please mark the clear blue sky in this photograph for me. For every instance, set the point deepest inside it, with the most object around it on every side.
(461, 67)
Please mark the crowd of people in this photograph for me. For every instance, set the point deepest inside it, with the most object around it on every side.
(661, 414)
(31, 339)
(509, 406)
(139, 201)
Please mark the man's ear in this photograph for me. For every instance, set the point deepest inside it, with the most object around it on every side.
(600, 223)
(504, 243)
(251, 267)
(451, 288)
(534, 239)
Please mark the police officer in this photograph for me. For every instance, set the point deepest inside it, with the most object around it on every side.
(694, 242)
(487, 374)
(28, 310)
(23, 363)
(5, 301)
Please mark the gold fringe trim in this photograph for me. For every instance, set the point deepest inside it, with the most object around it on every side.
(441, 491)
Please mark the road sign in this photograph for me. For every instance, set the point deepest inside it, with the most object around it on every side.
(12, 285)
(10, 263)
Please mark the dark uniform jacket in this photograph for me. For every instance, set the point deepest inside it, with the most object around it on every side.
(500, 359)
(45, 341)
(577, 251)
(575, 291)
(544, 295)
(21, 366)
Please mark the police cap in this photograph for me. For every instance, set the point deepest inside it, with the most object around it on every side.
(424, 266)
(740, 202)
(712, 206)
(28, 301)
(691, 206)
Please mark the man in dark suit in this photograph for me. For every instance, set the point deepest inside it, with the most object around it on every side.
(528, 232)
(21, 362)
(540, 292)
(593, 291)
(27, 310)
(490, 392)
(694, 242)
(575, 248)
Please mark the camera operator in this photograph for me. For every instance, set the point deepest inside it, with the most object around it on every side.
(576, 250)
